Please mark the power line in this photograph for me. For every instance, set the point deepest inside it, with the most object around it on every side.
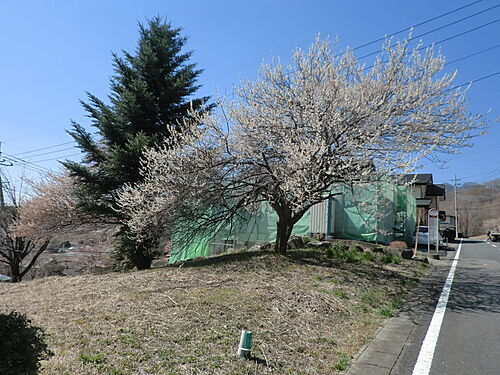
(400, 31)
(24, 163)
(417, 25)
(43, 148)
(482, 174)
(29, 167)
(459, 59)
(58, 158)
(473, 54)
(49, 152)
(475, 80)
(463, 33)
(437, 29)
(442, 40)
(17, 160)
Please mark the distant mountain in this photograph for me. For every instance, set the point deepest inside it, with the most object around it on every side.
(478, 206)
(493, 185)
(448, 187)
(469, 185)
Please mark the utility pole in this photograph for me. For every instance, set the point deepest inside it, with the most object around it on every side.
(2, 200)
(2, 161)
(455, 180)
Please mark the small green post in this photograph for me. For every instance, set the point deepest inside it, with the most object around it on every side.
(245, 344)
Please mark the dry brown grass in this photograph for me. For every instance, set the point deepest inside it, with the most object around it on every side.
(305, 310)
(398, 245)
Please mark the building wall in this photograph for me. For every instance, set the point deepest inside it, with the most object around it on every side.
(323, 218)
(418, 190)
(434, 203)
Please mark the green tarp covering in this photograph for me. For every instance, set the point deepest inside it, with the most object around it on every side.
(258, 228)
(378, 212)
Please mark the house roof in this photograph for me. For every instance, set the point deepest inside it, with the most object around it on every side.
(435, 190)
(418, 178)
(423, 202)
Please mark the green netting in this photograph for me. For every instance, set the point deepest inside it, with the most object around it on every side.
(410, 213)
(364, 212)
(194, 249)
(378, 212)
(260, 227)
(256, 228)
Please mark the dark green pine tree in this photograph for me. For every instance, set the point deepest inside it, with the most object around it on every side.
(150, 89)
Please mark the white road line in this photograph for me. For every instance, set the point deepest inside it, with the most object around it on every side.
(493, 245)
(424, 361)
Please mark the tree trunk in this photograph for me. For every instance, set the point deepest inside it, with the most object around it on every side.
(15, 272)
(143, 262)
(284, 231)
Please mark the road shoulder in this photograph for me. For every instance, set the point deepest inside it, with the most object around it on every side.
(394, 344)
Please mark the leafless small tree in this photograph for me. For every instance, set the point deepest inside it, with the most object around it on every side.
(16, 250)
(296, 131)
(26, 228)
(50, 206)
(470, 221)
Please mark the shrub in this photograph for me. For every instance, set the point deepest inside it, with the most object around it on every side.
(338, 251)
(391, 258)
(129, 252)
(342, 362)
(386, 312)
(340, 293)
(92, 358)
(22, 345)
(396, 303)
(372, 298)
(330, 253)
(368, 256)
(342, 252)
(307, 240)
(340, 246)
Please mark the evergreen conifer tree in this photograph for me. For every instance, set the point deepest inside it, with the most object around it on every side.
(150, 89)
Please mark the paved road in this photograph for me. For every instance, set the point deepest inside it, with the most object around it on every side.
(469, 336)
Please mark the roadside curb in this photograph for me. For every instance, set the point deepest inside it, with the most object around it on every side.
(380, 355)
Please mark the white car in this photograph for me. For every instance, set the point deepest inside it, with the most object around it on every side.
(423, 237)
(5, 278)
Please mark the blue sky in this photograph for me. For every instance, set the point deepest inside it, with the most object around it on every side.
(55, 51)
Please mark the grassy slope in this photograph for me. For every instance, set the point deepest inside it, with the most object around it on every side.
(309, 314)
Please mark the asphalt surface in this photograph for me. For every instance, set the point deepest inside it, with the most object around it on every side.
(469, 339)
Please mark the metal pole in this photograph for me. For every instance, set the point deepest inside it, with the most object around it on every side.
(437, 239)
(2, 200)
(5, 163)
(428, 238)
(456, 210)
